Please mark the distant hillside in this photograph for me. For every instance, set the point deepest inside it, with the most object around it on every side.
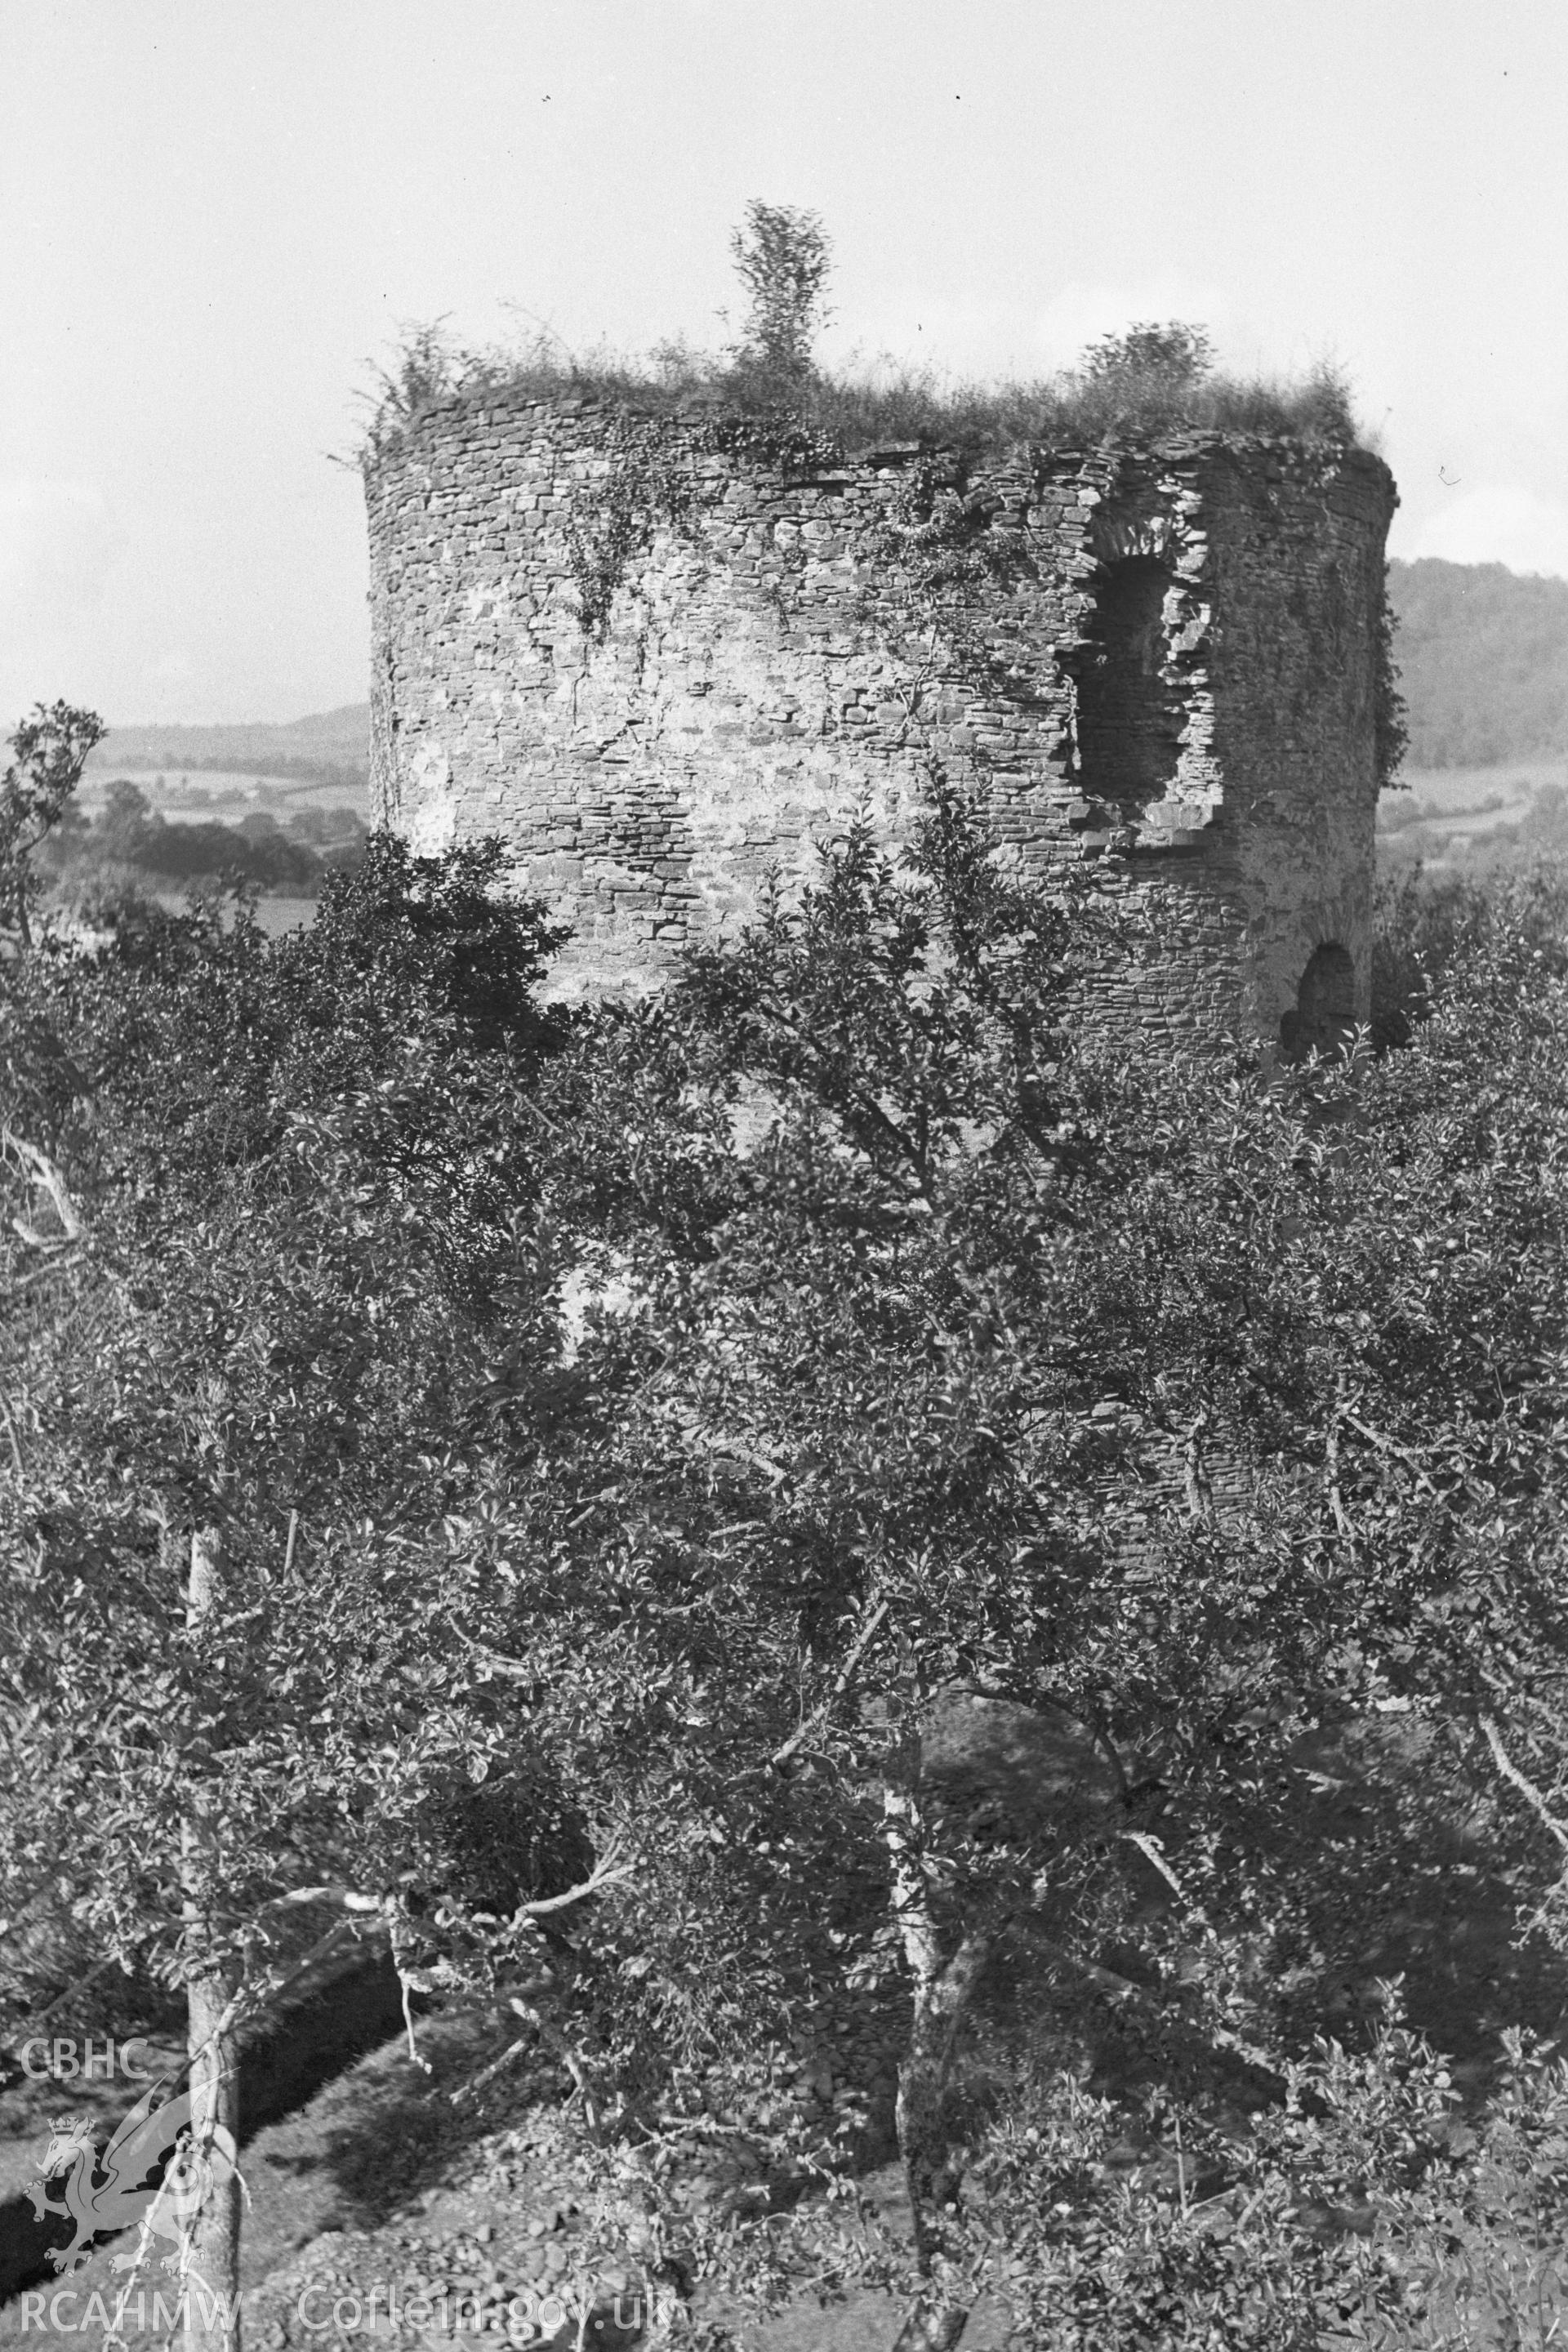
(333, 748)
(1483, 658)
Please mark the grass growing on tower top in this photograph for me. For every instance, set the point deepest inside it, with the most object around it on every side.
(1131, 396)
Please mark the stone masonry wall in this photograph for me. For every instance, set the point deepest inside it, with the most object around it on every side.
(662, 658)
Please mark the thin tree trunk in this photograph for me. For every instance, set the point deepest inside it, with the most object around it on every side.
(211, 2251)
(942, 1994)
(211, 2281)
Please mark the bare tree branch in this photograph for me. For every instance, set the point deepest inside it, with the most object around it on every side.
(254, 1993)
(1120, 1989)
(1152, 1850)
(608, 1871)
(45, 1172)
(559, 2047)
(346, 1898)
(77, 1985)
(61, 1265)
(847, 1672)
(517, 1669)
(477, 2083)
(11, 1434)
(1336, 1500)
(1527, 1789)
(1387, 1446)
(1195, 1486)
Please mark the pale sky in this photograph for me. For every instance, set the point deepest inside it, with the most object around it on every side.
(216, 214)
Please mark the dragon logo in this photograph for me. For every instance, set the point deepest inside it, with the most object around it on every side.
(158, 2169)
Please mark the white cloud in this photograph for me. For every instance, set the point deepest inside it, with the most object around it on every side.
(1495, 523)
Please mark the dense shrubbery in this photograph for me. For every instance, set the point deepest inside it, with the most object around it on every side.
(1366, 2209)
(624, 1424)
(1430, 925)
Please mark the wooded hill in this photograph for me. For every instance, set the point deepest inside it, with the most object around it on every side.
(1483, 659)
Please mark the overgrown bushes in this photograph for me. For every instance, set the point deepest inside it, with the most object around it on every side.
(1373, 2207)
(1209, 1421)
(1430, 930)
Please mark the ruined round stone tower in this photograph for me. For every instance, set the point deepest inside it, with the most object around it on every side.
(663, 656)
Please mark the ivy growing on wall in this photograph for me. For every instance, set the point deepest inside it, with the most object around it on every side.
(947, 547)
(930, 564)
(1392, 733)
(648, 486)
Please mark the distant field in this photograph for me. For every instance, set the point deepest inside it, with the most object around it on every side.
(1449, 819)
(1469, 800)
(331, 747)
(278, 914)
(1452, 790)
(171, 792)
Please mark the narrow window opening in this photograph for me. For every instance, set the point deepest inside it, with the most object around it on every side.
(1128, 720)
(1323, 1014)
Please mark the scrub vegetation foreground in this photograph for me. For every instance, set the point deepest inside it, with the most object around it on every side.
(539, 1489)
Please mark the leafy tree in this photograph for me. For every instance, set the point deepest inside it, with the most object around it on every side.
(1159, 1404)
(783, 257)
(277, 1199)
(50, 749)
(1154, 378)
(1169, 359)
(127, 812)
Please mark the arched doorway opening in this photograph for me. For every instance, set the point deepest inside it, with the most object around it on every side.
(1323, 1014)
